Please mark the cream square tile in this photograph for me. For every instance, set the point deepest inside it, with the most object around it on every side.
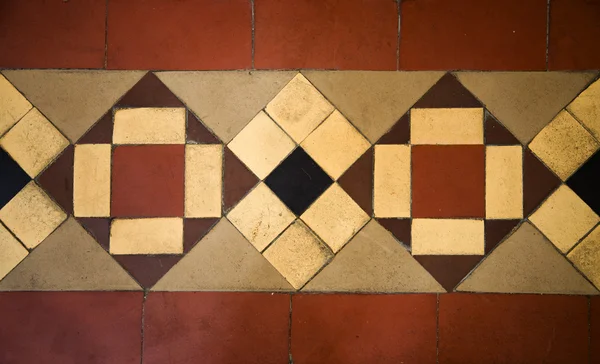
(299, 107)
(392, 181)
(260, 216)
(13, 105)
(147, 236)
(586, 256)
(564, 218)
(203, 180)
(335, 145)
(12, 252)
(261, 145)
(446, 126)
(31, 215)
(91, 180)
(297, 254)
(586, 108)
(564, 145)
(447, 237)
(504, 182)
(33, 142)
(335, 217)
(149, 126)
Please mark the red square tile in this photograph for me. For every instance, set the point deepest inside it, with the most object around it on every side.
(331, 34)
(448, 181)
(364, 329)
(574, 33)
(70, 327)
(184, 34)
(490, 328)
(473, 34)
(52, 34)
(147, 181)
(216, 328)
(595, 329)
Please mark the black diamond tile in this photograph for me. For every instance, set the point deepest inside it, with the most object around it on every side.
(298, 181)
(586, 182)
(12, 178)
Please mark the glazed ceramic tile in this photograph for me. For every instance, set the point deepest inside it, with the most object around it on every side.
(392, 180)
(149, 126)
(357, 181)
(91, 180)
(13, 178)
(446, 126)
(496, 134)
(12, 252)
(586, 108)
(149, 92)
(146, 236)
(203, 180)
(447, 237)
(538, 182)
(13, 106)
(586, 255)
(504, 182)
(197, 132)
(448, 92)
(238, 180)
(585, 181)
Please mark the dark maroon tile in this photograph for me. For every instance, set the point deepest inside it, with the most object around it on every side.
(147, 269)
(448, 270)
(493, 328)
(538, 182)
(197, 132)
(194, 230)
(400, 228)
(99, 229)
(101, 132)
(357, 181)
(70, 327)
(448, 92)
(364, 329)
(57, 179)
(497, 134)
(238, 180)
(149, 91)
(399, 133)
(595, 329)
(496, 231)
(216, 327)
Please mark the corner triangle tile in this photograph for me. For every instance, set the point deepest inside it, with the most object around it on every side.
(448, 92)
(149, 91)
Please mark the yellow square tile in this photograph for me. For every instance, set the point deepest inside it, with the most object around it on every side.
(564, 145)
(91, 180)
(391, 190)
(586, 108)
(504, 182)
(335, 145)
(203, 180)
(586, 256)
(13, 106)
(564, 218)
(146, 236)
(447, 237)
(297, 254)
(261, 145)
(299, 107)
(33, 142)
(149, 126)
(12, 252)
(446, 126)
(261, 216)
(335, 217)
(31, 215)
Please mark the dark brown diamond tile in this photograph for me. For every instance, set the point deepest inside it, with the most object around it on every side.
(538, 182)
(237, 180)
(357, 181)
(57, 179)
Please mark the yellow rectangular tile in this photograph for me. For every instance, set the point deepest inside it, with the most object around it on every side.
(446, 126)
(91, 180)
(447, 237)
(392, 181)
(13, 106)
(203, 176)
(149, 126)
(147, 236)
(504, 182)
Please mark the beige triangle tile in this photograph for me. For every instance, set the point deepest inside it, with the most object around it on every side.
(73, 100)
(586, 108)
(223, 261)
(226, 101)
(526, 262)
(525, 102)
(68, 260)
(13, 106)
(373, 261)
(373, 101)
(12, 252)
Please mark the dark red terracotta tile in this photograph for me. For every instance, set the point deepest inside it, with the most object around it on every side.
(448, 181)
(399, 133)
(496, 231)
(238, 180)
(147, 269)
(574, 34)
(197, 132)
(357, 181)
(538, 182)
(332, 34)
(497, 134)
(400, 228)
(187, 34)
(448, 270)
(57, 179)
(52, 34)
(472, 34)
(216, 328)
(595, 329)
(147, 181)
(448, 92)
(491, 328)
(149, 91)
(194, 230)
(99, 229)
(364, 329)
(101, 132)
(70, 327)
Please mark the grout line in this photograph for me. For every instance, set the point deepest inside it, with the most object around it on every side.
(398, 10)
(547, 32)
(106, 35)
(589, 302)
(290, 358)
(142, 328)
(437, 329)
(253, 27)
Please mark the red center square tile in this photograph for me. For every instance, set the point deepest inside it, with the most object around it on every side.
(448, 181)
(147, 181)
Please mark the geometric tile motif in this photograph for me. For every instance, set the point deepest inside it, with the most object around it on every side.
(13, 106)
(586, 255)
(585, 182)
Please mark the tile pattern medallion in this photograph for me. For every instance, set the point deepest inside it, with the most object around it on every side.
(315, 181)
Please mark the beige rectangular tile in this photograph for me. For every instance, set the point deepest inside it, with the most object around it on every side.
(392, 181)
(12, 252)
(147, 236)
(13, 106)
(504, 182)
(203, 180)
(447, 237)
(149, 126)
(446, 126)
(91, 180)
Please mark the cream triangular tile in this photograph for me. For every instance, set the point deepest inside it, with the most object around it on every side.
(525, 102)
(373, 101)
(226, 100)
(373, 261)
(68, 260)
(73, 100)
(223, 261)
(526, 263)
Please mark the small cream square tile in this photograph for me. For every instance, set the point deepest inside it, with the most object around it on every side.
(564, 145)
(33, 142)
(13, 105)
(299, 107)
(91, 180)
(12, 252)
(31, 215)
(446, 126)
(586, 256)
(392, 181)
(586, 108)
(203, 180)
(297, 254)
(335, 217)
(261, 145)
(335, 145)
(447, 237)
(564, 218)
(261, 216)
(504, 182)
(149, 126)
(146, 236)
